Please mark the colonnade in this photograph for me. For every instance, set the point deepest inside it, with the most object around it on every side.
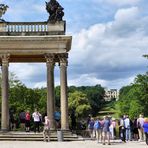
(51, 59)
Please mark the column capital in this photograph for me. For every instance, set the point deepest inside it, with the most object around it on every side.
(5, 59)
(50, 59)
(63, 59)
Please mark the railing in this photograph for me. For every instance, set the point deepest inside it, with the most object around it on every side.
(26, 27)
(32, 28)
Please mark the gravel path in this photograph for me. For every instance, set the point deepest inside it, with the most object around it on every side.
(73, 144)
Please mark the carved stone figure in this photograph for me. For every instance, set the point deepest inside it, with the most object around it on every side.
(55, 11)
(3, 9)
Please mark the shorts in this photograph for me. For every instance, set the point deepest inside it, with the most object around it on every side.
(27, 123)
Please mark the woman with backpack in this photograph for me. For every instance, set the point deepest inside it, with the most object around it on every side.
(91, 127)
(98, 130)
(105, 130)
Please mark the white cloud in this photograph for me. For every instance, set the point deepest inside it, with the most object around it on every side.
(28, 72)
(120, 82)
(40, 84)
(126, 14)
(112, 50)
(85, 80)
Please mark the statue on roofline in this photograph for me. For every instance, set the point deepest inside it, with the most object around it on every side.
(55, 11)
(3, 9)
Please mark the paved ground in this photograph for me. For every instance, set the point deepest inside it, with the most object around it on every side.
(76, 144)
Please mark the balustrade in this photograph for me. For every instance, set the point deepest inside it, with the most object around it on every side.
(26, 27)
(32, 28)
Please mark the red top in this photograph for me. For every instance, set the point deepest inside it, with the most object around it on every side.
(28, 116)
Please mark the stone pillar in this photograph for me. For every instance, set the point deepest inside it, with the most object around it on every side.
(3, 27)
(50, 88)
(5, 87)
(64, 98)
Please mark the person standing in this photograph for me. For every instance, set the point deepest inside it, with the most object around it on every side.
(98, 130)
(140, 122)
(91, 127)
(145, 126)
(46, 131)
(36, 118)
(122, 129)
(127, 128)
(57, 117)
(22, 117)
(73, 120)
(27, 121)
(135, 129)
(105, 130)
(12, 121)
(113, 122)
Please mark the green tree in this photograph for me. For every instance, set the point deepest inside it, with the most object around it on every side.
(141, 82)
(57, 96)
(78, 101)
(133, 99)
(95, 95)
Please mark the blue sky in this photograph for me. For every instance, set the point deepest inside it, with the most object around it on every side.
(109, 39)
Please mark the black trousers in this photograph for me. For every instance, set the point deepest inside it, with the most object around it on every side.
(122, 133)
(37, 126)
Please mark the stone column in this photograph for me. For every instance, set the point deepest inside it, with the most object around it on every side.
(64, 98)
(5, 87)
(50, 88)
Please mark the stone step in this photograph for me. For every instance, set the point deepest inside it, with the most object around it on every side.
(35, 136)
(36, 139)
(23, 136)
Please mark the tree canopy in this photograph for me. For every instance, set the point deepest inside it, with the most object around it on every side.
(133, 99)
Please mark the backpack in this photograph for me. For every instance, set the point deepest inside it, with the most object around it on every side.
(22, 116)
(139, 125)
(91, 125)
(97, 125)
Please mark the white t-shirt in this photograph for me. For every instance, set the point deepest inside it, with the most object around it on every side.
(141, 121)
(36, 116)
(127, 123)
(47, 124)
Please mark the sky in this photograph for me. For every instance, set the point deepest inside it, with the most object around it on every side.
(109, 38)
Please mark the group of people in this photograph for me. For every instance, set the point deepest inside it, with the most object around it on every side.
(106, 129)
(100, 129)
(37, 118)
(25, 122)
(133, 130)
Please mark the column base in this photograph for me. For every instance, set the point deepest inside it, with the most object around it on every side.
(4, 130)
(62, 129)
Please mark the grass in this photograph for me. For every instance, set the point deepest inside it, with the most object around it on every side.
(109, 109)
